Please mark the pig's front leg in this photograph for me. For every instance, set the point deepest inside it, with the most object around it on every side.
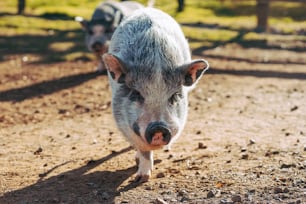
(100, 68)
(144, 161)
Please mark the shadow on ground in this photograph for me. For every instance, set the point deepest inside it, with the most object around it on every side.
(46, 87)
(260, 73)
(76, 186)
(246, 43)
(41, 45)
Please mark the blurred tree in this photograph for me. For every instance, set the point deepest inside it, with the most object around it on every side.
(181, 5)
(262, 12)
(21, 7)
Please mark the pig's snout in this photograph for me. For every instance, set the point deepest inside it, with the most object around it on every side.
(97, 46)
(157, 133)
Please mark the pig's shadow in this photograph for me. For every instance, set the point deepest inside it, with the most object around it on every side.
(76, 186)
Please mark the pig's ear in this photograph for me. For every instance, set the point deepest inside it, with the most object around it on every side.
(82, 21)
(193, 72)
(115, 67)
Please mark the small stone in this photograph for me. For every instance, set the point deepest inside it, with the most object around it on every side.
(252, 191)
(160, 201)
(210, 194)
(218, 194)
(278, 190)
(305, 148)
(62, 111)
(105, 196)
(252, 141)
(223, 201)
(201, 146)
(244, 156)
(285, 190)
(90, 184)
(294, 108)
(184, 198)
(236, 198)
(268, 153)
(226, 201)
(275, 152)
(243, 149)
(182, 193)
(160, 175)
(220, 184)
(38, 151)
(148, 188)
(286, 166)
(162, 185)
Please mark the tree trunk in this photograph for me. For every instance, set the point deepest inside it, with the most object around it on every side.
(262, 12)
(21, 7)
(181, 5)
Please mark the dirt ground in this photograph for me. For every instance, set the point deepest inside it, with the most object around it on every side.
(244, 142)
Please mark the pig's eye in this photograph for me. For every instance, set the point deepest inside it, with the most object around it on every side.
(175, 98)
(136, 96)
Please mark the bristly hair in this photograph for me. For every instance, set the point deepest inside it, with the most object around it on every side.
(146, 40)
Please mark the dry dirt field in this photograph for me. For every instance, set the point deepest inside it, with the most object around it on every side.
(244, 142)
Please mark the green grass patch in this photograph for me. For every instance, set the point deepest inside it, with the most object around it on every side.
(34, 25)
(211, 35)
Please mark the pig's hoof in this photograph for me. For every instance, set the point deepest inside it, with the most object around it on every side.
(142, 178)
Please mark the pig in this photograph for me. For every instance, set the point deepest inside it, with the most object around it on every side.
(150, 72)
(105, 19)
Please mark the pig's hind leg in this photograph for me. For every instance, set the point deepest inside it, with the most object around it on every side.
(144, 160)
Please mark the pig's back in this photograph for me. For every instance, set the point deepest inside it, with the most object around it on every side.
(150, 37)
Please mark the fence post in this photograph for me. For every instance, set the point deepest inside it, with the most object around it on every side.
(21, 7)
(262, 12)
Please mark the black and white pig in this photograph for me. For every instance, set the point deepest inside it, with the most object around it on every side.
(100, 28)
(150, 72)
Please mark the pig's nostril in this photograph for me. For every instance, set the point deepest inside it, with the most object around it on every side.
(157, 129)
(97, 46)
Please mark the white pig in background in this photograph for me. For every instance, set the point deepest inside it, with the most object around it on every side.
(105, 19)
(150, 72)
